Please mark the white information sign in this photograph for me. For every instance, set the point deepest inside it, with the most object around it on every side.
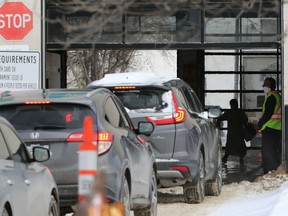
(19, 70)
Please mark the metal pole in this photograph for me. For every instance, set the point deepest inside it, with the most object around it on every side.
(43, 44)
(283, 68)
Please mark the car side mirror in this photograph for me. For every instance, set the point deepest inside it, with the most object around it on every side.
(145, 128)
(214, 112)
(41, 154)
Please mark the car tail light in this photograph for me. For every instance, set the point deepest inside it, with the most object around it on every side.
(104, 140)
(108, 201)
(182, 169)
(37, 102)
(177, 117)
(124, 87)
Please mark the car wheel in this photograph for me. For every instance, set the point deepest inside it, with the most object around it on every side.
(152, 211)
(196, 193)
(214, 188)
(125, 196)
(5, 212)
(53, 207)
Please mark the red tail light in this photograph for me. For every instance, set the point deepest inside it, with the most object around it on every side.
(108, 201)
(37, 102)
(183, 169)
(124, 87)
(103, 139)
(177, 117)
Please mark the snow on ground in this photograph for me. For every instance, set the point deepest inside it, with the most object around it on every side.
(266, 196)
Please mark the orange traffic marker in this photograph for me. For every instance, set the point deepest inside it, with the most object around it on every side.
(87, 161)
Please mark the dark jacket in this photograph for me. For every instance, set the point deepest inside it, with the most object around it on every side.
(236, 119)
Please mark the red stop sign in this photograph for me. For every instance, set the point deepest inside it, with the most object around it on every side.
(16, 20)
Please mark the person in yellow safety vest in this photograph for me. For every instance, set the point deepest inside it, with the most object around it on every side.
(270, 125)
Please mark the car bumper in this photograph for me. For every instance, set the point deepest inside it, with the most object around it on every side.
(169, 175)
(68, 195)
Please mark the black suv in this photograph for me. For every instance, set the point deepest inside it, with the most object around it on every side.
(54, 119)
(186, 141)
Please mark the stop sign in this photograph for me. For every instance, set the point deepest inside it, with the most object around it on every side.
(16, 20)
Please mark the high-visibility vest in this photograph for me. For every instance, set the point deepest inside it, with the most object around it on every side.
(275, 120)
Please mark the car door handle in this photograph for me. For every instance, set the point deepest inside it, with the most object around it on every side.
(10, 182)
(27, 181)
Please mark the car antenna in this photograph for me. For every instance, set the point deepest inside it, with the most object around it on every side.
(44, 93)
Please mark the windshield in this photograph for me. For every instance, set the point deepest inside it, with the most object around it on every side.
(45, 116)
(145, 101)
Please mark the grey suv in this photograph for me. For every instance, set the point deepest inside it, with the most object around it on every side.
(26, 186)
(54, 119)
(186, 141)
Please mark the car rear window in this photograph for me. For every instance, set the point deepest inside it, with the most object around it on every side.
(45, 116)
(145, 100)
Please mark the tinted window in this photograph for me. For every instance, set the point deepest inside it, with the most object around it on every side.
(112, 114)
(4, 153)
(50, 116)
(189, 100)
(196, 101)
(145, 100)
(192, 100)
(139, 99)
(183, 100)
(16, 146)
(124, 114)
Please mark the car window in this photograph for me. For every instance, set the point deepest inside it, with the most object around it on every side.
(15, 144)
(188, 100)
(112, 114)
(126, 120)
(183, 100)
(138, 99)
(46, 116)
(4, 153)
(192, 99)
(196, 101)
(145, 101)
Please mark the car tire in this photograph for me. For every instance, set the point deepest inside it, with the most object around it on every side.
(66, 210)
(53, 207)
(125, 196)
(214, 188)
(196, 193)
(5, 212)
(152, 211)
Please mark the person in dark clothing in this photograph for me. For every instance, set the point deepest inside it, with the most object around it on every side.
(236, 119)
(270, 125)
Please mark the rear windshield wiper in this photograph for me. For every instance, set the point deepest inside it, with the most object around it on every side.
(161, 106)
(47, 127)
